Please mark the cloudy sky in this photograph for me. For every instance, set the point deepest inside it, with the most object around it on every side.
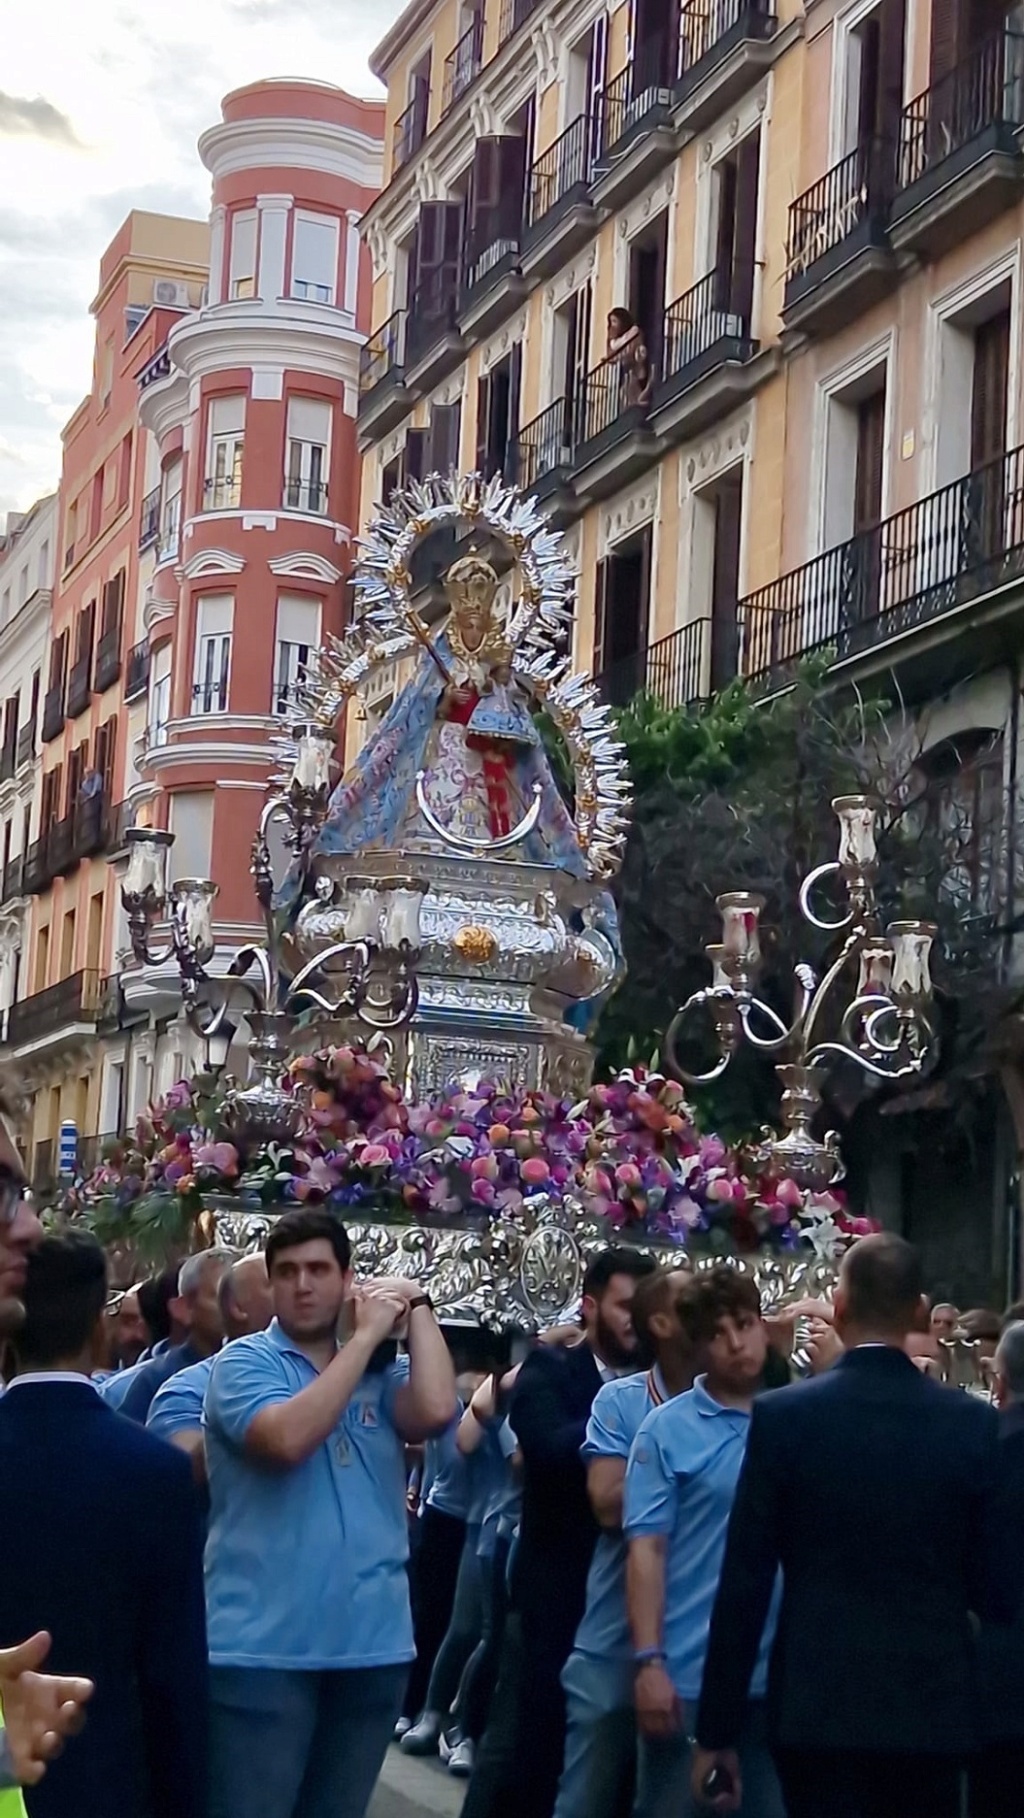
(100, 107)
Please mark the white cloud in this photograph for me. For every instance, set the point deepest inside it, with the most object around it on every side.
(100, 112)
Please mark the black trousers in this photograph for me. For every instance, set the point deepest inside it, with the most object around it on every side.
(481, 1676)
(996, 1782)
(433, 1568)
(493, 1787)
(857, 1783)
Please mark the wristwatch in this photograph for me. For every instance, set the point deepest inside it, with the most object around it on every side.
(420, 1300)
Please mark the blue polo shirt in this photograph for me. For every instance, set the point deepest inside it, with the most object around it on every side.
(681, 1482)
(178, 1406)
(305, 1568)
(448, 1470)
(619, 1409)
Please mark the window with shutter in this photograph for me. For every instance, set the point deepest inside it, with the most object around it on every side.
(214, 618)
(298, 635)
(725, 580)
(438, 260)
(483, 422)
(307, 454)
(159, 695)
(170, 508)
(987, 488)
(113, 603)
(946, 43)
(223, 485)
(414, 454)
(242, 259)
(315, 258)
(445, 427)
(84, 633)
(655, 27)
(868, 474)
(600, 617)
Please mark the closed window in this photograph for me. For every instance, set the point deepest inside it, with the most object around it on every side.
(298, 635)
(214, 615)
(223, 488)
(315, 258)
(242, 262)
(159, 695)
(307, 454)
(170, 509)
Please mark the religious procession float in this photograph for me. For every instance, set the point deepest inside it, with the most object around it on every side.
(441, 933)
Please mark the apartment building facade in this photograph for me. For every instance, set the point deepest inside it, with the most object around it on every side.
(28, 555)
(814, 215)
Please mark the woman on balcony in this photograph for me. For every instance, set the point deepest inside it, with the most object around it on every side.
(626, 346)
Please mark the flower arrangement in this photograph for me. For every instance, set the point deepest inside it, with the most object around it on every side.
(630, 1154)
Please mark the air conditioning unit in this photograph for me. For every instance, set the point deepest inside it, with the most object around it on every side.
(170, 294)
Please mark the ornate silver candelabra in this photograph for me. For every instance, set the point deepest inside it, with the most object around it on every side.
(369, 976)
(886, 1029)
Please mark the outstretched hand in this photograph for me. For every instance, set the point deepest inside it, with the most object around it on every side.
(40, 1709)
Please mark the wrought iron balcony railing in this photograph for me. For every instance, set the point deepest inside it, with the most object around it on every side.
(701, 328)
(463, 64)
(60, 840)
(221, 495)
(433, 315)
(567, 165)
(638, 93)
(984, 92)
(92, 825)
(545, 444)
(672, 670)
(411, 127)
(156, 368)
(384, 353)
(72, 1000)
(136, 671)
(37, 874)
(846, 197)
(514, 13)
(605, 400)
(26, 746)
(53, 712)
(953, 546)
(14, 878)
(149, 519)
(306, 495)
(709, 28)
(79, 686)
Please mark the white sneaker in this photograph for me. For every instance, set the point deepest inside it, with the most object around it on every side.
(423, 1736)
(460, 1758)
(402, 1728)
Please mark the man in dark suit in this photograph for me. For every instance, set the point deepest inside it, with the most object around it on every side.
(997, 1777)
(101, 1544)
(872, 1487)
(550, 1408)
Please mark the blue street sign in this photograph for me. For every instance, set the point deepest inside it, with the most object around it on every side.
(67, 1149)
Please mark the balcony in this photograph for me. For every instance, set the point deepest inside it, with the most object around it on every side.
(724, 47)
(79, 688)
(155, 369)
(71, 1004)
(207, 697)
(37, 875)
(707, 355)
(959, 162)
(13, 878)
(559, 216)
(108, 659)
(635, 136)
(384, 397)
(463, 64)
(60, 842)
(544, 453)
(218, 495)
(434, 342)
(25, 750)
(8, 761)
(410, 129)
(614, 442)
(306, 495)
(149, 519)
(514, 13)
(121, 820)
(839, 261)
(136, 671)
(951, 564)
(53, 713)
(675, 671)
(91, 826)
(493, 284)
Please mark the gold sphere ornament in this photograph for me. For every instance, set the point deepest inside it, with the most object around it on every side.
(476, 944)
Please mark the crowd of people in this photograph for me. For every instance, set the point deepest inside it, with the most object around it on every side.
(260, 1521)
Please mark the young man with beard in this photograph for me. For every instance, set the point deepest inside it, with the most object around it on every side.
(600, 1747)
(307, 1590)
(680, 1488)
(550, 1408)
(37, 1710)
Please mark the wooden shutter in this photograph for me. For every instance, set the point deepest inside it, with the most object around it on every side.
(483, 422)
(113, 602)
(445, 423)
(946, 39)
(390, 479)
(76, 771)
(741, 292)
(106, 749)
(515, 385)
(514, 157)
(483, 198)
(725, 582)
(432, 240)
(601, 590)
(867, 493)
(415, 454)
(84, 632)
(989, 390)
(891, 42)
(655, 23)
(726, 236)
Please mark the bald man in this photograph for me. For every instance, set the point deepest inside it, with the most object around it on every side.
(177, 1409)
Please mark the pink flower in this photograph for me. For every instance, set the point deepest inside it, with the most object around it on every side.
(374, 1155)
(628, 1174)
(222, 1156)
(789, 1194)
(711, 1151)
(739, 1190)
(435, 1126)
(860, 1227)
(485, 1167)
(483, 1192)
(720, 1189)
(535, 1170)
(596, 1180)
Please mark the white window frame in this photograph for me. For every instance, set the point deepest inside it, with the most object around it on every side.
(170, 508)
(211, 671)
(307, 464)
(291, 658)
(222, 486)
(308, 290)
(879, 355)
(242, 284)
(158, 710)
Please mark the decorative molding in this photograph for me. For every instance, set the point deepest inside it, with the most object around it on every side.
(501, 343)
(154, 612)
(451, 392)
(655, 198)
(629, 512)
(241, 146)
(572, 278)
(729, 445)
(259, 520)
(377, 243)
(426, 185)
(267, 382)
(306, 564)
(212, 561)
(482, 116)
(546, 47)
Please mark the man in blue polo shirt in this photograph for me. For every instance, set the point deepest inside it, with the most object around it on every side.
(680, 1487)
(600, 1743)
(307, 1593)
